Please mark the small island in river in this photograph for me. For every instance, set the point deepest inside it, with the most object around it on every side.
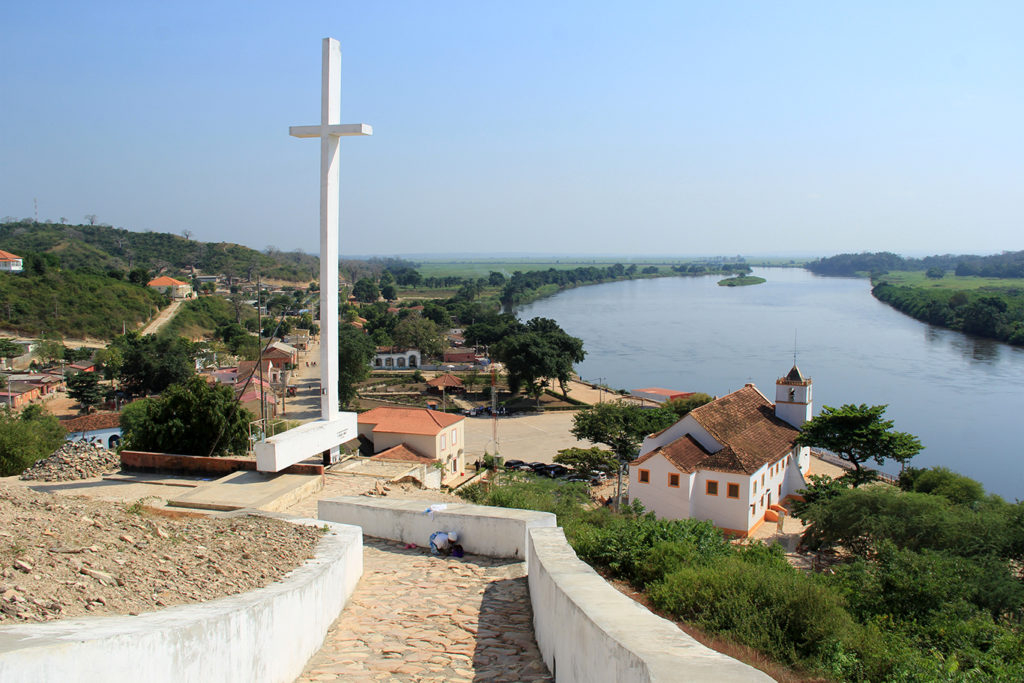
(741, 281)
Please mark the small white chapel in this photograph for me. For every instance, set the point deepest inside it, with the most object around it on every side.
(730, 461)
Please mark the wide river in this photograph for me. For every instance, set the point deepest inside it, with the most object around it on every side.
(962, 396)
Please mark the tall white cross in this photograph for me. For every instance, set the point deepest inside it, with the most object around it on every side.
(334, 427)
(330, 132)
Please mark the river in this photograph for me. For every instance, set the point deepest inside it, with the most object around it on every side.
(961, 395)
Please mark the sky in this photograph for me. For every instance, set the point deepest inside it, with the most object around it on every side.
(546, 128)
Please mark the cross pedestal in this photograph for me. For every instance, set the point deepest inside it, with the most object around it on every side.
(334, 427)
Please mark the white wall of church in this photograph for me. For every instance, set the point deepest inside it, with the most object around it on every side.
(656, 495)
(720, 509)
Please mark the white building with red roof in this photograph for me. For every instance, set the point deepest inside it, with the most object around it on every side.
(176, 289)
(431, 434)
(659, 395)
(10, 262)
(729, 461)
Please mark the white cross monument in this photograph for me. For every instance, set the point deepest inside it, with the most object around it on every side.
(334, 427)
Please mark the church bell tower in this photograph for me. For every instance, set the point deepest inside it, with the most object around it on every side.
(793, 398)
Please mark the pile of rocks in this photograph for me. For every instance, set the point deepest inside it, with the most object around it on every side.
(74, 460)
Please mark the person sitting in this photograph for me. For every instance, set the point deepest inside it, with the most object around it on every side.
(441, 542)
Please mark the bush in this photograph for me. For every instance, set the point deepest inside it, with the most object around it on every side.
(25, 438)
(792, 617)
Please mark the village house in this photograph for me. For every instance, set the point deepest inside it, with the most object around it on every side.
(176, 289)
(659, 395)
(459, 356)
(100, 428)
(46, 383)
(439, 437)
(279, 351)
(10, 262)
(396, 358)
(298, 339)
(730, 461)
(17, 395)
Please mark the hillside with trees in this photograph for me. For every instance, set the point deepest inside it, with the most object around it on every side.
(45, 301)
(103, 248)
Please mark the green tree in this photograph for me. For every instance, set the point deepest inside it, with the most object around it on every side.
(365, 290)
(10, 349)
(858, 434)
(622, 427)
(418, 333)
(149, 364)
(942, 481)
(389, 292)
(355, 351)
(193, 418)
(50, 350)
(25, 438)
(85, 388)
(587, 459)
(935, 273)
(539, 350)
(682, 406)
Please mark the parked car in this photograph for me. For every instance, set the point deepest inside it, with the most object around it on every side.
(513, 464)
(535, 466)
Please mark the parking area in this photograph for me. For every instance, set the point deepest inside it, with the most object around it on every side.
(531, 438)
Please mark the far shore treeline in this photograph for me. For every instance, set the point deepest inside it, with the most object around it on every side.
(980, 295)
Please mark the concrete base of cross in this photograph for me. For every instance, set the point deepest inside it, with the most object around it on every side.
(305, 441)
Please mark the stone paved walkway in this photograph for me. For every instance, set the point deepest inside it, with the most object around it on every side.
(414, 617)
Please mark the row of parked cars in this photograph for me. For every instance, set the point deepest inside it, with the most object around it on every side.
(556, 471)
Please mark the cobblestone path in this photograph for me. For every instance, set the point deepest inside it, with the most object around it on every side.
(414, 617)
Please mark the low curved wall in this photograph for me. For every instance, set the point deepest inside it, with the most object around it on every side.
(589, 632)
(484, 530)
(263, 635)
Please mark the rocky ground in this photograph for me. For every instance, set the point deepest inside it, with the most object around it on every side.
(73, 461)
(63, 556)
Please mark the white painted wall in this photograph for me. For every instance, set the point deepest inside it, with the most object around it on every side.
(720, 510)
(656, 495)
(263, 635)
(484, 530)
(100, 436)
(589, 632)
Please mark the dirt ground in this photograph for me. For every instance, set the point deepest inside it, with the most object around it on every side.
(63, 556)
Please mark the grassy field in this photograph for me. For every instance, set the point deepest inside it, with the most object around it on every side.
(917, 278)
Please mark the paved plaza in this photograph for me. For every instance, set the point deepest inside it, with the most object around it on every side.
(415, 617)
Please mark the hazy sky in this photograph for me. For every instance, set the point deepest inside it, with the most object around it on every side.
(533, 127)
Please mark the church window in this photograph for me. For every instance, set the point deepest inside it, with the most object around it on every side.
(762, 479)
(711, 488)
(644, 476)
(673, 480)
(733, 491)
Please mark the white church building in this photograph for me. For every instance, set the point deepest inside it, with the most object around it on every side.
(728, 461)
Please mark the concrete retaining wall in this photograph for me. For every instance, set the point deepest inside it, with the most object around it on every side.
(589, 632)
(263, 635)
(491, 531)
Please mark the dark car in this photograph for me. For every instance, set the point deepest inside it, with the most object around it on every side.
(513, 464)
(552, 471)
(536, 466)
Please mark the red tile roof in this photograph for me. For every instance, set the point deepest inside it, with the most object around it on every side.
(446, 380)
(402, 453)
(744, 423)
(684, 453)
(387, 419)
(164, 281)
(88, 423)
(8, 256)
